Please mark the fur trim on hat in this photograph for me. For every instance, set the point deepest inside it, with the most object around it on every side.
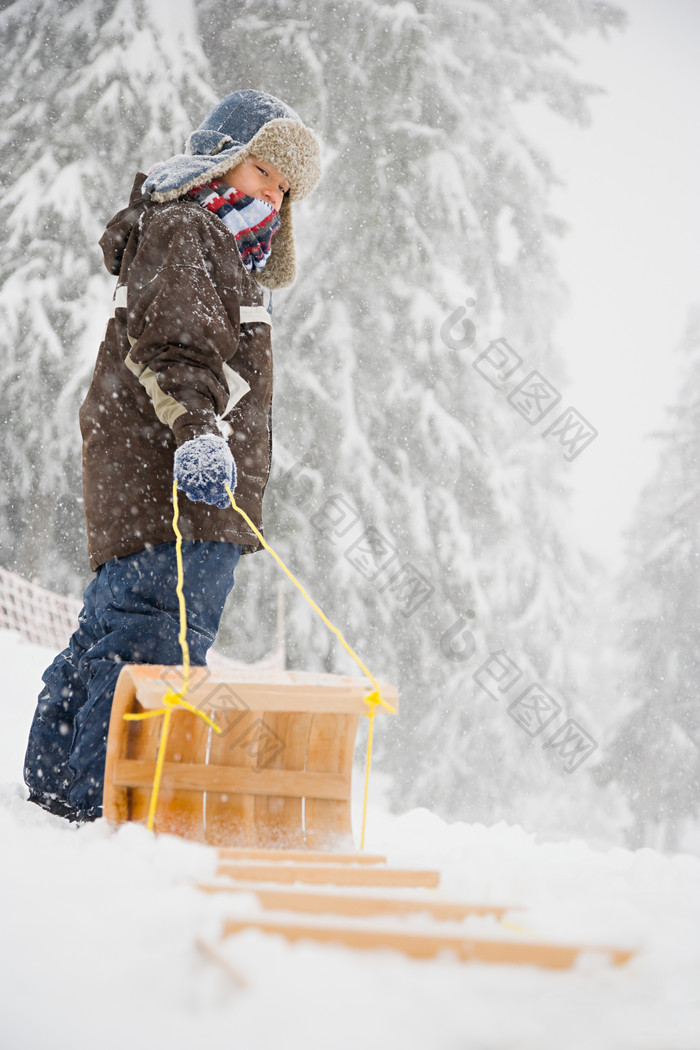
(280, 270)
(293, 149)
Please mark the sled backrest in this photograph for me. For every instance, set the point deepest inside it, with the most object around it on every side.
(278, 774)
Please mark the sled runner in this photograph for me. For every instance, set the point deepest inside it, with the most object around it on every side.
(306, 904)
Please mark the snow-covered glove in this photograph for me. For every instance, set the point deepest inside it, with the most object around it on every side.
(203, 467)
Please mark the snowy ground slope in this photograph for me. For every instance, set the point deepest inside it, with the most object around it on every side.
(99, 932)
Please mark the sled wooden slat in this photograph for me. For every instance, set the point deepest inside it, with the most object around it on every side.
(187, 776)
(285, 809)
(179, 811)
(331, 694)
(128, 740)
(330, 752)
(230, 815)
(312, 903)
(306, 856)
(277, 775)
(142, 738)
(428, 945)
(330, 874)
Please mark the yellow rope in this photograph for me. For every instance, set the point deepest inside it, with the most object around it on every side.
(180, 595)
(373, 699)
(171, 698)
(514, 926)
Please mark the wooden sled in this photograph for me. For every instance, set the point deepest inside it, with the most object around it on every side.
(273, 789)
(277, 775)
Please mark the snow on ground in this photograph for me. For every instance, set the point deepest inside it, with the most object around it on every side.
(100, 930)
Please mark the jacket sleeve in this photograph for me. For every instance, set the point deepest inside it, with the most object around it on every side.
(183, 309)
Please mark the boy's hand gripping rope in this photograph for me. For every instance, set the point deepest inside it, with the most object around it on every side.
(173, 699)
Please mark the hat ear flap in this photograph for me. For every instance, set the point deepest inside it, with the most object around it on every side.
(280, 269)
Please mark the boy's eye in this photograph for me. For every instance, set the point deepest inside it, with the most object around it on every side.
(263, 172)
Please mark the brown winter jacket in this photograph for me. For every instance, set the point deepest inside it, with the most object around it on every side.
(187, 313)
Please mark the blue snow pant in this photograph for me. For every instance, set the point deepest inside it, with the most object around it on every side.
(130, 615)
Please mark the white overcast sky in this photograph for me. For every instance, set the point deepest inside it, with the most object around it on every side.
(632, 257)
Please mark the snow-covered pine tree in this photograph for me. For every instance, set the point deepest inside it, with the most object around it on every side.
(394, 456)
(414, 464)
(96, 89)
(654, 753)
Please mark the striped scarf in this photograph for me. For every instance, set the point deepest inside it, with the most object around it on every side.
(251, 221)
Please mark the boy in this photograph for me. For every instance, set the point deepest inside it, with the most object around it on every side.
(182, 388)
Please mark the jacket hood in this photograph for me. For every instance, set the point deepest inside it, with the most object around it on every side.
(114, 240)
(247, 123)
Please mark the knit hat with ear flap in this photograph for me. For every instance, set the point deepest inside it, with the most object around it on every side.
(244, 124)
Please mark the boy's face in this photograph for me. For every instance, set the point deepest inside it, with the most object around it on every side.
(258, 178)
